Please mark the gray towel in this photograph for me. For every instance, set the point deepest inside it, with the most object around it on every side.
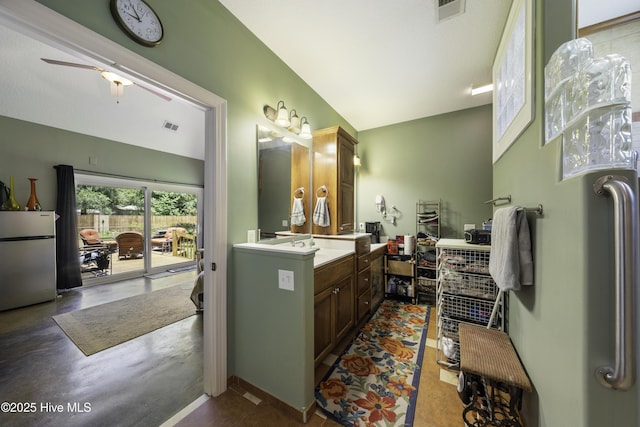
(321, 213)
(510, 262)
(297, 212)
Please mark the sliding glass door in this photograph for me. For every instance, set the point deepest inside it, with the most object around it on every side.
(127, 228)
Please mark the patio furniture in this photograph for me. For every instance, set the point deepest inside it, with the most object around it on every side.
(164, 241)
(91, 237)
(130, 245)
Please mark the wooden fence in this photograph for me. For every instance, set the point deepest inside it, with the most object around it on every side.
(112, 225)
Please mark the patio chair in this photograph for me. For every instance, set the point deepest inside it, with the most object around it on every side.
(130, 245)
(91, 238)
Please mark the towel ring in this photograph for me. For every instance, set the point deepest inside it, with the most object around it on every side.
(322, 188)
(297, 191)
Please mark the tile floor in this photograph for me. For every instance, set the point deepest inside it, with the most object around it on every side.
(438, 404)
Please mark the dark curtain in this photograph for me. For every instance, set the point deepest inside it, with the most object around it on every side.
(67, 255)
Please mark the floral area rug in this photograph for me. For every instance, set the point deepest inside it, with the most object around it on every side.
(375, 381)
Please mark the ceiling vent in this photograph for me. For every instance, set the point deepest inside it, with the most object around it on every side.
(170, 126)
(446, 9)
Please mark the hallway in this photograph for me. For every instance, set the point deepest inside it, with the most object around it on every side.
(141, 382)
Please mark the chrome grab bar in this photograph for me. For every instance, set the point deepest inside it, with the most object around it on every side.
(622, 375)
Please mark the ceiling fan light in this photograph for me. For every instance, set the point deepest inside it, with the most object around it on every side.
(117, 89)
(282, 119)
(115, 78)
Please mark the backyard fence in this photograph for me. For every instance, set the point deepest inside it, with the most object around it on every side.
(112, 225)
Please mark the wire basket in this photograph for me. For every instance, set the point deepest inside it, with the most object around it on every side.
(473, 285)
(464, 260)
(468, 309)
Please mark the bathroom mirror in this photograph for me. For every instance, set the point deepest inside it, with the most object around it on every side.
(284, 173)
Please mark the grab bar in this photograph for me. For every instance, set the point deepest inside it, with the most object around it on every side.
(622, 375)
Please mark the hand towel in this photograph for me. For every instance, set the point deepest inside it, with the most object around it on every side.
(510, 259)
(321, 213)
(297, 212)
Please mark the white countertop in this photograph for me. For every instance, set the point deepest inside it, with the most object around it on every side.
(325, 249)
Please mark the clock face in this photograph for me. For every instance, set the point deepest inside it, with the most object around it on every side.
(138, 20)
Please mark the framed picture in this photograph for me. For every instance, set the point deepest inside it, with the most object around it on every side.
(513, 78)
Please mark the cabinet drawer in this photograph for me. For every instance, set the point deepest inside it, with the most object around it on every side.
(363, 246)
(363, 262)
(364, 280)
(403, 268)
(364, 305)
(330, 273)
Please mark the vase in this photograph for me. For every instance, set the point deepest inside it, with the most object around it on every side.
(33, 204)
(11, 204)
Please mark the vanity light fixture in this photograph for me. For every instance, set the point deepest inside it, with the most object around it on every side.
(481, 89)
(356, 160)
(294, 125)
(282, 119)
(305, 129)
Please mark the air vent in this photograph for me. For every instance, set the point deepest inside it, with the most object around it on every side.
(170, 126)
(446, 9)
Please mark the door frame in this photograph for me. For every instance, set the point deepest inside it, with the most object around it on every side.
(33, 19)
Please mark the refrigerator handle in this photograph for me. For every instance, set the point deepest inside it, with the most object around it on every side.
(622, 375)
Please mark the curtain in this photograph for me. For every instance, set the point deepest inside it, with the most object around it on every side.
(67, 255)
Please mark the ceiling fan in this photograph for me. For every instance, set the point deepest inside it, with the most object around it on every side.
(117, 82)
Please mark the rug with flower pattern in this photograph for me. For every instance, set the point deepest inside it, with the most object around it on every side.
(375, 381)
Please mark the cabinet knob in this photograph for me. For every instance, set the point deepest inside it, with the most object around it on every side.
(366, 302)
(366, 279)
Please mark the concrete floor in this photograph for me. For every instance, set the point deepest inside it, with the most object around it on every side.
(142, 382)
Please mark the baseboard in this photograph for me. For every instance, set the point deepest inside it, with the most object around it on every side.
(302, 416)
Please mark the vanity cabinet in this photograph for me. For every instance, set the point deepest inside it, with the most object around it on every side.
(376, 262)
(334, 300)
(333, 150)
(363, 264)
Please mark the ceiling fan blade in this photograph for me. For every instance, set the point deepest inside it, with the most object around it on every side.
(72, 64)
(165, 97)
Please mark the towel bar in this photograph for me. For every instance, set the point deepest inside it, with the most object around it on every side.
(537, 210)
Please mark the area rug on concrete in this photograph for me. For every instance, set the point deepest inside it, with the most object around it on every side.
(97, 328)
(375, 380)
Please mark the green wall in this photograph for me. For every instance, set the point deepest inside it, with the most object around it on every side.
(444, 157)
(559, 326)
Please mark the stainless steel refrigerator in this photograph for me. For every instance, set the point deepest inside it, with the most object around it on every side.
(27, 258)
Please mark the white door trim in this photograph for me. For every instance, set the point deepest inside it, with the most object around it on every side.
(32, 18)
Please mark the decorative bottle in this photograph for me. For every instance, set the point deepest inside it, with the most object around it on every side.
(11, 204)
(33, 204)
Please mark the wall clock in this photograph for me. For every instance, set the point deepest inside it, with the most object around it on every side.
(138, 20)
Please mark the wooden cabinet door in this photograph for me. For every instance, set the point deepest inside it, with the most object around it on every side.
(346, 211)
(377, 280)
(324, 324)
(344, 305)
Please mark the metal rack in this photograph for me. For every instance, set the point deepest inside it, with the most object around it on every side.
(466, 293)
(428, 221)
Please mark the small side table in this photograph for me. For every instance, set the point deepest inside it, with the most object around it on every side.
(495, 375)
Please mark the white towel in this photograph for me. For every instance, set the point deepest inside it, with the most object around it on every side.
(510, 261)
(297, 212)
(321, 213)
